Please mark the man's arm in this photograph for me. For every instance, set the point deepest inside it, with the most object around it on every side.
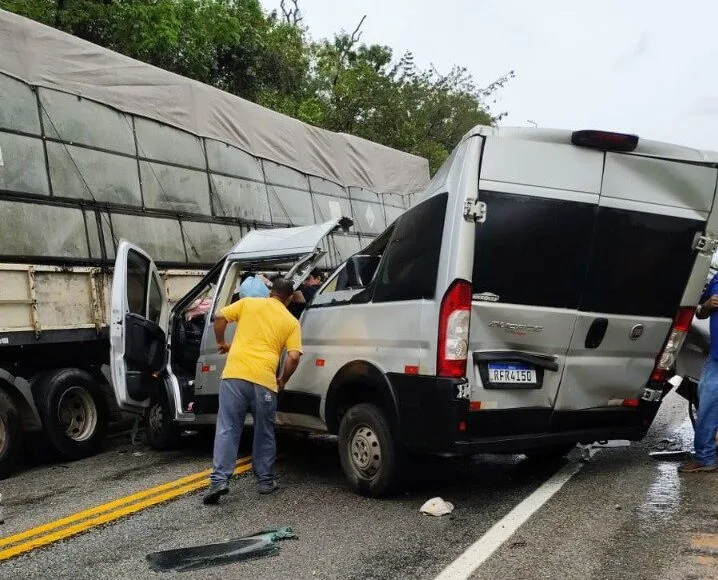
(290, 365)
(220, 325)
(231, 313)
(294, 353)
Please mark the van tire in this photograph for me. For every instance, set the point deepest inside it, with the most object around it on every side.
(363, 431)
(73, 410)
(10, 435)
(161, 432)
(550, 453)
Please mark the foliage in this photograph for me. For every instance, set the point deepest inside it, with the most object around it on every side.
(339, 84)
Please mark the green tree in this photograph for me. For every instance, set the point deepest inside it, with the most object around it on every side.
(361, 90)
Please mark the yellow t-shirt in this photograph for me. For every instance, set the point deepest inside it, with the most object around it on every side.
(264, 328)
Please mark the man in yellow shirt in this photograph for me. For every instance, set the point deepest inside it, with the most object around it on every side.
(250, 383)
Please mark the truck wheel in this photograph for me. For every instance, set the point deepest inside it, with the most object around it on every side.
(10, 435)
(367, 451)
(161, 431)
(73, 410)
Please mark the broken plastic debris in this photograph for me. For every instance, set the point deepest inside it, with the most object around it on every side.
(436, 507)
(193, 558)
(613, 443)
(676, 380)
(137, 454)
(667, 448)
(134, 432)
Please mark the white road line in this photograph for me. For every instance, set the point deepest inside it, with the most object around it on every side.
(476, 554)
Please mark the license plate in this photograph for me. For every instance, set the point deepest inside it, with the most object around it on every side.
(507, 373)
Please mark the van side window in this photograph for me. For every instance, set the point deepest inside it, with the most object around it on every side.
(532, 250)
(155, 303)
(138, 271)
(410, 262)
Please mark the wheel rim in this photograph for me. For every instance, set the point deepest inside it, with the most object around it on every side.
(365, 451)
(156, 418)
(3, 436)
(77, 413)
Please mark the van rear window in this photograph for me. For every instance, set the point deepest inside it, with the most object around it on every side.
(532, 250)
(640, 263)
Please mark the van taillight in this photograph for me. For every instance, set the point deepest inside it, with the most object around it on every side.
(454, 318)
(605, 140)
(666, 361)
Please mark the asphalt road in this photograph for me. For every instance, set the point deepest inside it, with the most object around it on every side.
(623, 515)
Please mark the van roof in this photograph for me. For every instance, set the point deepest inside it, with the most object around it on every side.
(645, 147)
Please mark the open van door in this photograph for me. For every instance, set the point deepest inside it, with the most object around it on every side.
(291, 244)
(297, 248)
(139, 312)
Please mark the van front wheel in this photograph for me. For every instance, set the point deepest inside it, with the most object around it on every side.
(162, 433)
(367, 451)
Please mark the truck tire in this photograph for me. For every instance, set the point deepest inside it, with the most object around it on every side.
(161, 431)
(73, 411)
(10, 435)
(369, 455)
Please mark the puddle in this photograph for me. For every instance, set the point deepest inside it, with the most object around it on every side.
(664, 495)
(661, 501)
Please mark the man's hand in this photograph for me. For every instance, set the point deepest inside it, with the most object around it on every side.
(290, 365)
(705, 309)
(711, 303)
(222, 347)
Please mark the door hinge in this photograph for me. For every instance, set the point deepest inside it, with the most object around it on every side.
(475, 210)
(706, 244)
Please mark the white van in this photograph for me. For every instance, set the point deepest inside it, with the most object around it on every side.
(534, 298)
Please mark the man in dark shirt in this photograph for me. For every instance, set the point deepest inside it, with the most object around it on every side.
(306, 293)
(311, 285)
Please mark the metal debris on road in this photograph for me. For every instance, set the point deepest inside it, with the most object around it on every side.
(667, 448)
(612, 443)
(436, 506)
(134, 432)
(195, 557)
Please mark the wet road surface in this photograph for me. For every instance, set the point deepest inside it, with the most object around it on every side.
(623, 515)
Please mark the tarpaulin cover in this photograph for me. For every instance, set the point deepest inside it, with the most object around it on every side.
(45, 57)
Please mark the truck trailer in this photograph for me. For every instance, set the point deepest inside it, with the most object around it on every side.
(96, 148)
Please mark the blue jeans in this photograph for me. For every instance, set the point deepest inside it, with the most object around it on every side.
(236, 398)
(707, 423)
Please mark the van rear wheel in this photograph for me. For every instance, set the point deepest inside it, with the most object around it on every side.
(368, 453)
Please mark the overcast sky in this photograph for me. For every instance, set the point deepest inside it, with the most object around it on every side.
(642, 66)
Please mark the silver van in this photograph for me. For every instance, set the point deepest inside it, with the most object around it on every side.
(533, 298)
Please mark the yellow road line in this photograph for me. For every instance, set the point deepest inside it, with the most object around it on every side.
(105, 513)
